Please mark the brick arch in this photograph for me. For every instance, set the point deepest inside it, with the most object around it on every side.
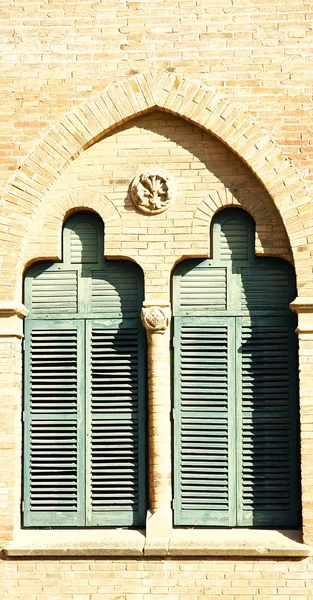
(271, 236)
(45, 236)
(131, 97)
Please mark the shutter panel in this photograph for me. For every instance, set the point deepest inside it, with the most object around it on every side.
(116, 462)
(265, 287)
(116, 290)
(53, 291)
(204, 440)
(54, 374)
(267, 466)
(202, 289)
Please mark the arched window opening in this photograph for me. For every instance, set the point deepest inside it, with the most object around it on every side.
(84, 371)
(236, 443)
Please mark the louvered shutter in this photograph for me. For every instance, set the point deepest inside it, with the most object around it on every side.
(115, 409)
(267, 465)
(84, 430)
(250, 297)
(204, 484)
(53, 424)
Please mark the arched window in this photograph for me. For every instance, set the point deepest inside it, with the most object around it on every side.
(235, 391)
(84, 386)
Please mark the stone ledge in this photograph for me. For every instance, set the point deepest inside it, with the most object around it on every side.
(181, 542)
(237, 542)
(100, 542)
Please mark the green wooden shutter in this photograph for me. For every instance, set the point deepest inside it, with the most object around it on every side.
(204, 436)
(115, 417)
(257, 428)
(84, 430)
(267, 457)
(53, 424)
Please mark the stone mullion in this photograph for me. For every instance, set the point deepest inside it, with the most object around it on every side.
(159, 518)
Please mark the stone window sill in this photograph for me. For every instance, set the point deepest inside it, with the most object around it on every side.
(237, 542)
(180, 542)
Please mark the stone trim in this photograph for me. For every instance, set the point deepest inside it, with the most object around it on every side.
(180, 542)
(11, 319)
(304, 308)
(8, 309)
(190, 100)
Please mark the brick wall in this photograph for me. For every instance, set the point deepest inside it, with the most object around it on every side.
(254, 61)
(57, 54)
(157, 580)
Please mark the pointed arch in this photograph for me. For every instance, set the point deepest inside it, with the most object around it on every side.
(140, 93)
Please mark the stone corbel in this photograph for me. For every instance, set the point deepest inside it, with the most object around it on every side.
(304, 309)
(11, 319)
(156, 318)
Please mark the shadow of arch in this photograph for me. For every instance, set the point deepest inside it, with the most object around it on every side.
(141, 93)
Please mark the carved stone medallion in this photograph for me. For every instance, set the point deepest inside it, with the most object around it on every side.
(155, 318)
(153, 191)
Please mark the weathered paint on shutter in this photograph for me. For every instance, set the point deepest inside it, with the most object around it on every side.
(115, 417)
(262, 479)
(204, 471)
(53, 423)
(100, 414)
